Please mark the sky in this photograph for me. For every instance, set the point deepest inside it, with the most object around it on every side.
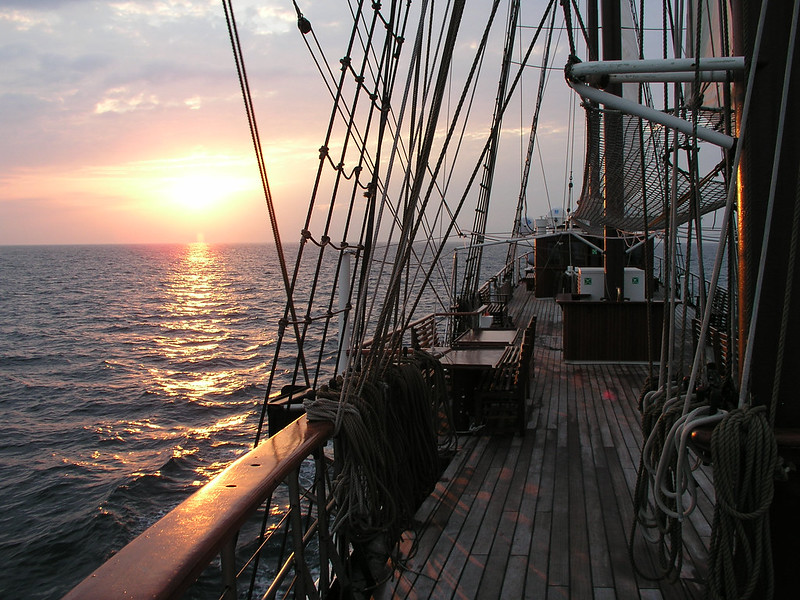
(123, 122)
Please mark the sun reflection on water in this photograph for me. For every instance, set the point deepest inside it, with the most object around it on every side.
(195, 366)
(194, 328)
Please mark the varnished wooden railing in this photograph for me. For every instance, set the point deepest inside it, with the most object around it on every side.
(165, 560)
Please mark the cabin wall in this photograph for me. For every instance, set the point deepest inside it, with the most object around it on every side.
(554, 253)
(611, 331)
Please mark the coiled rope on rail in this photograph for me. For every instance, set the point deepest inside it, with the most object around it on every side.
(658, 520)
(744, 449)
(745, 457)
(388, 449)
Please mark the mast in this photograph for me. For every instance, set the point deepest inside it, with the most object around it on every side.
(755, 180)
(613, 264)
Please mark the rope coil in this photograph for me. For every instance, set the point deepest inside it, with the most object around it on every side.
(745, 457)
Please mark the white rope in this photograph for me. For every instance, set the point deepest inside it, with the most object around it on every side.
(692, 419)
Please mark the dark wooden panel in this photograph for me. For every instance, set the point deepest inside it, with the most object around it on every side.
(609, 331)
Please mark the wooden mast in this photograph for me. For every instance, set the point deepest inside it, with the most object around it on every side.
(754, 182)
(614, 190)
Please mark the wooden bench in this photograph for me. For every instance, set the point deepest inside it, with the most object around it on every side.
(500, 397)
(502, 394)
(423, 332)
(494, 304)
(528, 344)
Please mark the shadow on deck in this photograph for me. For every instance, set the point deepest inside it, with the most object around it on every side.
(548, 514)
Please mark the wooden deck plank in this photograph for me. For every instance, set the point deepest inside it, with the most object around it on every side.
(591, 451)
(538, 563)
(514, 582)
(534, 448)
(456, 547)
(498, 480)
(452, 496)
(497, 561)
(548, 514)
(559, 542)
(580, 565)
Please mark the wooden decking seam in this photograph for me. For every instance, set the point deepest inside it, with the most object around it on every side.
(548, 515)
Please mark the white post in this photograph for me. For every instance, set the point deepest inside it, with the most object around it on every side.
(344, 299)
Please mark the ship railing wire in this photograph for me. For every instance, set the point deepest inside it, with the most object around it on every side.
(260, 529)
(435, 329)
(689, 285)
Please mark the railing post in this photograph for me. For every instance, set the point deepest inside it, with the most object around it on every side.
(322, 519)
(305, 585)
(228, 560)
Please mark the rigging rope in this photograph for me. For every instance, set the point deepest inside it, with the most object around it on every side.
(475, 252)
(254, 134)
(522, 199)
(744, 456)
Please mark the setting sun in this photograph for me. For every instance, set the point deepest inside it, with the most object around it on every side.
(201, 192)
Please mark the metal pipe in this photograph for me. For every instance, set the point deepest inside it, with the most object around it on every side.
(656, 65)
(657, 77)
(651, 114)
(228, 560)
(344, 301)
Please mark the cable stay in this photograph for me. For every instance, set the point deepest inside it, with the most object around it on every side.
(521, 201)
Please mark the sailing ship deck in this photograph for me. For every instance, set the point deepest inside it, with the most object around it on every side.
(548, 514)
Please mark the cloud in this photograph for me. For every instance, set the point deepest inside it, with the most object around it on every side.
(102, 83)
(120, 100)
(37, 5)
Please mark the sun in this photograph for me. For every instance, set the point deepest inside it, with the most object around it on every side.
(202, 192)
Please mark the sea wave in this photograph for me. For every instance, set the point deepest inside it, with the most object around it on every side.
(129, 376)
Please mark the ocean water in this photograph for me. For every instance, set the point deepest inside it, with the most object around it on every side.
(129, 376)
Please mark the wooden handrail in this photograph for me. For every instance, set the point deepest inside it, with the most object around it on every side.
(169, 556)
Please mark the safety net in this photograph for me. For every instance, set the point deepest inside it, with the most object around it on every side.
(626, 185)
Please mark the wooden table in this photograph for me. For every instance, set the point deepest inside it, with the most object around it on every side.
(472, 358)
(486, 337)
(466, 367)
